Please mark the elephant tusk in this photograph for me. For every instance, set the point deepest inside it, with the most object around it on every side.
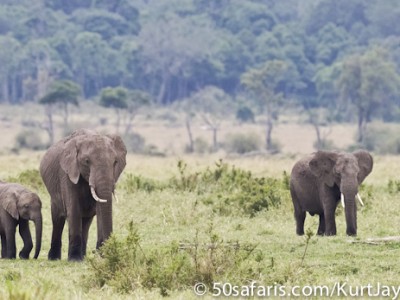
(96, 197)
(115, 197)
(359, 199)
(342, 199)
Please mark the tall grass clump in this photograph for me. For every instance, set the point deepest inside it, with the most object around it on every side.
(29, 177)
(229, 190)
(123, 264)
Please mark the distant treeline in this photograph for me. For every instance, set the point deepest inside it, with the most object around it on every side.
(334, 52)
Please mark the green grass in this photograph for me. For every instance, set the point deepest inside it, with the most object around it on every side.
(163, 217)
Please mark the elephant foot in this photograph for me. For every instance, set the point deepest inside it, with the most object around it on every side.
(23, 255)
(330, 233)
(351, 233)
(75, 253)
(54, 254)
(75, 259)
(320, 233)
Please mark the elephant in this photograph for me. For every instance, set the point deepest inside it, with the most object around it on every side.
(80, 172)
(319, 181)
(18, 205)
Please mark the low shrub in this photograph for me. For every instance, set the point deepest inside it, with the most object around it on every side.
(29, 139)
(242, 143)
(229, 190)
(201, 145)
(123, 264)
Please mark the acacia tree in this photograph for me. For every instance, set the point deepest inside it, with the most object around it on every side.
(211, 104)
(115, 98)
(135, 100)
(367, 82)
(263, 83)
(62, 93)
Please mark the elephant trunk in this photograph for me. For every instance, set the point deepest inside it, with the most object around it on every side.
(104, 217)
(349, 193)
(38, 226)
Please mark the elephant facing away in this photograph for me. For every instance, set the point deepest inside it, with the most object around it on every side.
(18, 205)
(80, 173)
(321, 180)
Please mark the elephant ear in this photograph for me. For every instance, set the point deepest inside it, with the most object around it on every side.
(365, 163)
(120, 148)
(9, 202)
(321, 165)
(69, 160)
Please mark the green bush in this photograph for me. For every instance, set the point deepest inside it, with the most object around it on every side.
(245, 114)
(229, 190)
(133, 183)
(242, 143)
(30, 178)
(123, 264)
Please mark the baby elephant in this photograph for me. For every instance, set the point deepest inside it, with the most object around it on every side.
(319, 181)
(18, 205)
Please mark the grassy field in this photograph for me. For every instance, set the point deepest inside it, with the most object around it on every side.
(165, 216)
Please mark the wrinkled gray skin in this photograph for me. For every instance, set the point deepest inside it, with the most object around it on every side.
(317, 182)
(18, 205)
(69, 168)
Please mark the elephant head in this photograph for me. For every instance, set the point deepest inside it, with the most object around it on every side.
(99, 160)
(347, 171)
(21, 203)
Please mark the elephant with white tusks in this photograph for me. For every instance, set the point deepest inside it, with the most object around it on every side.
(80, 173)
(323, 179)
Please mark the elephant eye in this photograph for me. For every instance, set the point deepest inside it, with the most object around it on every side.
(87, 161)
(26, 205)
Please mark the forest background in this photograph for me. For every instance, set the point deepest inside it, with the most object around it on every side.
(198, 66)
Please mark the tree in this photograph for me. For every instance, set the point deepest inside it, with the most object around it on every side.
(9, 48)
(135, 100)
(95, 64)
(211, 104)
(263, 83)
(171, 46)
(115, 98)
(367, 82)
(63, 93)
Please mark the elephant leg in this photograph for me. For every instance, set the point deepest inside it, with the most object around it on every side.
(321, 227)
(86, 222)
(330, 223)
(10, 237)
(75, 238)
(26, 237)
(56, 241)
(300, 217)
(3, 246)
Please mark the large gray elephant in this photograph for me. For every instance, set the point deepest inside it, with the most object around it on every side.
(323, 179)
(80, 173)
(18, 205)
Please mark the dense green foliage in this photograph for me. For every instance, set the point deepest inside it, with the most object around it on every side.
(227, 189)
(123, 263)
(194, 44)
